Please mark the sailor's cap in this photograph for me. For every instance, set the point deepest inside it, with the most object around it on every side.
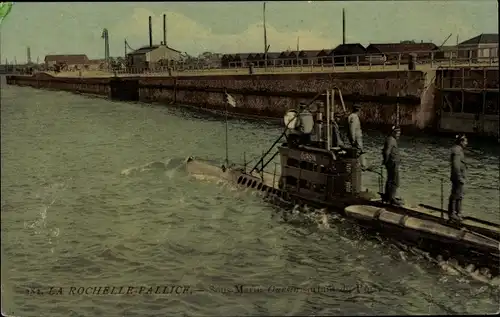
(460, 137)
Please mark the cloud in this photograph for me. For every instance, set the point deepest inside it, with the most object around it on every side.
(187, 35)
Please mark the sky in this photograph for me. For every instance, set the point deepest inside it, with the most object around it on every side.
(236, 27)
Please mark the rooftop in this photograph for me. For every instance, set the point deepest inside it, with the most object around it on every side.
(485, 38)
(147, 49)
(68, 59)
(402, 47)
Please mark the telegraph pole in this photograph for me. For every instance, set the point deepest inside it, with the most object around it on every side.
(343, 26)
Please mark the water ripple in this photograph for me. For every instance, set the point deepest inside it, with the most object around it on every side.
(102, 201)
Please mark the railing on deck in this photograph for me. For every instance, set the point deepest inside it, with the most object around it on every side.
(366, 62)
(392, 61)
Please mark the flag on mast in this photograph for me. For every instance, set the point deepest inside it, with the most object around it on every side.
(230, 100)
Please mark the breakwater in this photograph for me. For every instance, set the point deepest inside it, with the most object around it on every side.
(385, 95)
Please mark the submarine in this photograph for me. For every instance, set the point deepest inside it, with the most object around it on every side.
(316, 173)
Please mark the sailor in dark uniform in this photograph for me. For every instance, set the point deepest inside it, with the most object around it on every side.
(458, 175)
(337, 140)
(355, 134)
(391, 161)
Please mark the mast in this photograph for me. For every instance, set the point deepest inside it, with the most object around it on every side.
(328, 131)
(228, 100)
(265, 36)
(227, 145)
(165, 29)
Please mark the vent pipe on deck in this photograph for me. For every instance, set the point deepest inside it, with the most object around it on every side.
(150, 32)
(165, 29)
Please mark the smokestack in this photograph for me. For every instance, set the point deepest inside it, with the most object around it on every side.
(165, 29)
(28, 53)
(150, 32)
(343, 26)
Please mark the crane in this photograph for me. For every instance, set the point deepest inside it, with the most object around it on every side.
(446, 40)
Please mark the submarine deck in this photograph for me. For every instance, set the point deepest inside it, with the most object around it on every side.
(271, 180)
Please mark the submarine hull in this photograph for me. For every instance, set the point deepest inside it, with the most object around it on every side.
(413, 227)
(464, 245)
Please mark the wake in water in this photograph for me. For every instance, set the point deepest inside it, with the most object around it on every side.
(49, 195)
(303, 215)
(353, 234)
(170, 166)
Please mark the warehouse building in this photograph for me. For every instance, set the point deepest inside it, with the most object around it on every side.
(483, 46)
(150, 57)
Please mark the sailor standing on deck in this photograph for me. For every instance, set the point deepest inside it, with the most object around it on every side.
(391, 161)
(337, 140)
(458, 171)
(355, 134)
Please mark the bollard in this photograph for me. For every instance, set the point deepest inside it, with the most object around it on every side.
(412, 60)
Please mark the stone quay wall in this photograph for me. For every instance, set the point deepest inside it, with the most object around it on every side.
(381, 93)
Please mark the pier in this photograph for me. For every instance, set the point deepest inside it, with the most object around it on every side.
(417, 93)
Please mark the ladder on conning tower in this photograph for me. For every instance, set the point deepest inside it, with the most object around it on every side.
(329, 99)
(330, 113)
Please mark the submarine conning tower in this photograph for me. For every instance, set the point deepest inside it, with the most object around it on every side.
(312, 166)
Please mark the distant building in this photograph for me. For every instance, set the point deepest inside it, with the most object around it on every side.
(286, 58)
(349, 54)
(241, 60)
(447, 52)
(154, 56)
(226, 60)
(76, 61)
(259, 59)
(325, 56)
(481, 46)
(212, 60)
(392, 51)
(309, 57)
(254, 58)
(97, 64)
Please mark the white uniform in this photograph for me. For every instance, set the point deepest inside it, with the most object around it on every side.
(356, 135)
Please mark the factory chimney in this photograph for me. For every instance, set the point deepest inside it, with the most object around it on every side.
(343, 26)
(28, 53)
(165, 29)
(150, 32)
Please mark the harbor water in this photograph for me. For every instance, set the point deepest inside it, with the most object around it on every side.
(92, 196)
